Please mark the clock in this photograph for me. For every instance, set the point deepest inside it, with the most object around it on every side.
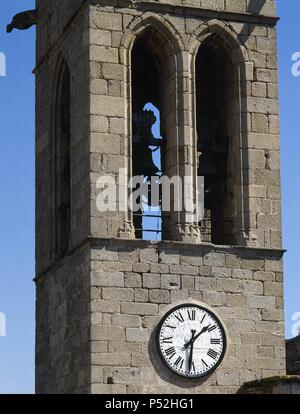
(191, 341)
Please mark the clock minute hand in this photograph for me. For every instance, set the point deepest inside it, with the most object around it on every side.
(205, 329)
(191, 356)
(191, 350)
(197, 336)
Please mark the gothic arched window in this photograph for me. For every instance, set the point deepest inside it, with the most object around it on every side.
(218, 140)
(62, 168)
(153, 123)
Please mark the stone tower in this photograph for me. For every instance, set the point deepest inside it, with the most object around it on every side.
(210, 68)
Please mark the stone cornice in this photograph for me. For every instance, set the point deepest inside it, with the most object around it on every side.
(94, 242)
(207, 13)
(188, 10)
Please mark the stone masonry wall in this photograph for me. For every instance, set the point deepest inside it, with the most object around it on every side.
(73, 49)
(96, 38)
(253, 45)
(134, 283)
(63, 326)
(97, 309)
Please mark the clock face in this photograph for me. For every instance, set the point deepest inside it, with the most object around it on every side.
(191, 341)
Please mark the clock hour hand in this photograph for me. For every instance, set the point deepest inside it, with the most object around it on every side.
(191, 341)
(205, 329)
(197, 336)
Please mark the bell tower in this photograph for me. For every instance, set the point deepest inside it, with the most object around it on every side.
(166, 299)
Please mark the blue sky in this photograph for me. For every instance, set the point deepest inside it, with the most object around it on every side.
(17, 188)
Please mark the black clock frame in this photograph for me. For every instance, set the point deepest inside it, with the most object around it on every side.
(158, 330)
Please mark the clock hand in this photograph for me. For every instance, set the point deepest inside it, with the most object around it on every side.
(191, 350)
(197, 336)
(191, 340)
(191, 356)
(205, 329)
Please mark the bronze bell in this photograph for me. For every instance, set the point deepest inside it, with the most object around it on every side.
(207, 165)
(143, 162)
(142, 140)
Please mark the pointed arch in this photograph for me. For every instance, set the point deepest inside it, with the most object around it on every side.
(141, 23)
(225, 47)
(224, 31)
(61, 159)
(154, 33)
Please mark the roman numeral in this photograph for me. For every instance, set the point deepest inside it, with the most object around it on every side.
(212, 328)
(171, 327)
(179, 362)
(170, 352)
(179, 317)
(213, 354)
(204, 363)
(167, 340)
(215, 341)
(191, 314)
(203, 318)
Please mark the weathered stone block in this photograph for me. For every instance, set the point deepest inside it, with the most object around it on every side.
(151, 281)
(214, 259)
(170, 282)
(121, 375)
(159, 296)
(112, 359)
(122, 294)
(133, 280)
(142, 309)
(137, 334)
(115, 279)
(102, 333)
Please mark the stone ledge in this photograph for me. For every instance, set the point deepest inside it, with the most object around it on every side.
(201, 12)
(179, 244)
(94, 242)
(193, 11)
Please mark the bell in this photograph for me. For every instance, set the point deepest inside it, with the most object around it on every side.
(142, 139)
(207, 165)
(143, 163)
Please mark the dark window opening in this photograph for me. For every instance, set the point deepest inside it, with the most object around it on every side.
(147, 143)
(215, 105)
(62, 164)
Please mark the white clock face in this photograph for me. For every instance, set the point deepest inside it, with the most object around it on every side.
(191, 341)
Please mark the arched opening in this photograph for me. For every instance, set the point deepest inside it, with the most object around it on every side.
(153, 108)
(62, 190)
(218, 129)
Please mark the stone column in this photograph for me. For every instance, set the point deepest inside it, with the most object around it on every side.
(187, 226)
